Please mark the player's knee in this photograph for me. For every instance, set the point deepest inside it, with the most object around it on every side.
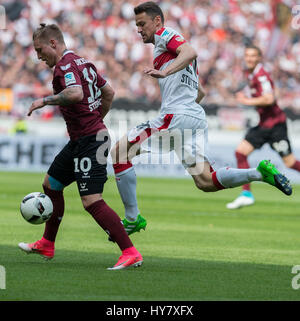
(85, 202)
(286, 163)
(289, 162)
(203, 184)
(46, 184)
(88, 200)
(53, 184)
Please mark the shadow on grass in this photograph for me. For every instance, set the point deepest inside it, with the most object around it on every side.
(77, 275)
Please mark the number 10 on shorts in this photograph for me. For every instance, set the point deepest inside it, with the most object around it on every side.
(82, 165)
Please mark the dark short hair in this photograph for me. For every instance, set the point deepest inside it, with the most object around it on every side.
(251, 46)
(46, 32)
(151, 9)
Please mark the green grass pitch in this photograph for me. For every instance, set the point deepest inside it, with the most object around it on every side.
(193, 248)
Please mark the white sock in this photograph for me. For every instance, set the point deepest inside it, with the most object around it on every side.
(233, 177)
(126, 183)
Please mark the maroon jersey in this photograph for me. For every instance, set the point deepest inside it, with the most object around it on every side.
(82, 118)
(261, 83)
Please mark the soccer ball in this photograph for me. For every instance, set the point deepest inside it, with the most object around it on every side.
(36, 208)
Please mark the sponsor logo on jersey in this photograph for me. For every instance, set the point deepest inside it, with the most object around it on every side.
(185, 79)
(69, 79)
(95, 105)
(179, 39)
(165, 33)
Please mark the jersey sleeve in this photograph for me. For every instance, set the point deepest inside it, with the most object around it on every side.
(101, 82)
(174, 43)
(169, 39)
(69, 77)
(264, 83)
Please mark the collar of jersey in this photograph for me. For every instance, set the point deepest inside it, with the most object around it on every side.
(257, 68)
(67, 52)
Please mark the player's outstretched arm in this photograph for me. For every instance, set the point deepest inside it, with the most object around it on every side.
(261, 101)
(68, 96)
(107, 95)
(185, 55)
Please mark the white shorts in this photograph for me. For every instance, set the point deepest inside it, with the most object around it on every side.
(186, 135)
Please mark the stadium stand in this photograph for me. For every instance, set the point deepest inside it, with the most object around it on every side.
(105, 32)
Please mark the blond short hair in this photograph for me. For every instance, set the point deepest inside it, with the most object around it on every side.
(46, 32)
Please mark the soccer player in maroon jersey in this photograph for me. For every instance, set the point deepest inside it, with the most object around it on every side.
(84, 98)
(272, 127)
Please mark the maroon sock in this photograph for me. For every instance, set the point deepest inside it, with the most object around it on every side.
(242, 162)
(296, 166)
(216, 182)
(110, 223)
(51, 226)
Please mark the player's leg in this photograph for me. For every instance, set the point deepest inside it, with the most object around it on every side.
(46, 245)
(210, 181)
(244, 149)
(122, 154)
(281, 144)
(91, 177)
(60, 174)
(111, 223)
(227, 177)
(246, 198)
(106, 218)
(254, 139)
(193, 153)
(54, 189)
(290, 161)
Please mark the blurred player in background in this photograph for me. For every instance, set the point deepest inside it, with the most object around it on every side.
(84, 98)
(272, 127)
(175, 67)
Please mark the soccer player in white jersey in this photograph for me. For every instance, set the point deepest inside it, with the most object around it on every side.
(175, 67)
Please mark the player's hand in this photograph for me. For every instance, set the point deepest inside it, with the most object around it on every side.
(39, 103)
(155, 73)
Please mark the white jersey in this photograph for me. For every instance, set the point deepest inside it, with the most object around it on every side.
(179, 90)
